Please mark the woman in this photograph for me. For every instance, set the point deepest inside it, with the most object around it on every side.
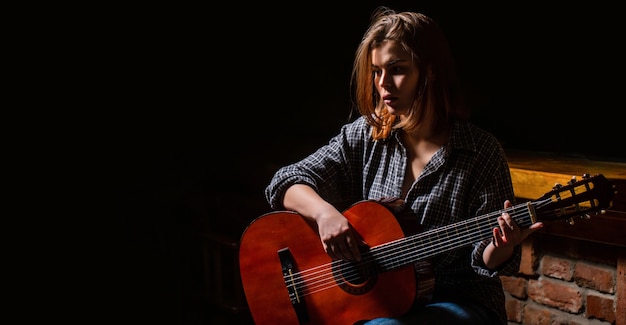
(413, 142)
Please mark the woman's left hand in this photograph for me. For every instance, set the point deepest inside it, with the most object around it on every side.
(509, 234)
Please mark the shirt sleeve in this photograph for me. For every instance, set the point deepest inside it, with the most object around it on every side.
(499, 190)
(510, 267)
(330, 170)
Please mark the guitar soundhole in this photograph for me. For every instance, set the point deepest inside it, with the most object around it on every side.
(354, 278)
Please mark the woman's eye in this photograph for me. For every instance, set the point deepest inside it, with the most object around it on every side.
(396, 70)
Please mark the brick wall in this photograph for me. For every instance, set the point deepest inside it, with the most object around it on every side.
(567, 281)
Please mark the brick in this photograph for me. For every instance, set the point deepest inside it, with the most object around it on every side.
(557, 294)
(529, 261)
(537, 316)
(514, 309)
(515, 286)
(558, 268)
(595, 277)
(601, 307)
(569, 320)
(578, 321)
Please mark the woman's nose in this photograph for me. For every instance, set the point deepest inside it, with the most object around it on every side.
(385, 80)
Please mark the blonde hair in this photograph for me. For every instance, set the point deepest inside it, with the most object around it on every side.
(438, 98)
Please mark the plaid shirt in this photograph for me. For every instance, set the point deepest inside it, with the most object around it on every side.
(467, 177)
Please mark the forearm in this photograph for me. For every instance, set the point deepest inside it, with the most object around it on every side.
(304, 200)
(494, 256)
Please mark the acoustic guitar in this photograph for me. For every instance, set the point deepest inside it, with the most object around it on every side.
(289, 279)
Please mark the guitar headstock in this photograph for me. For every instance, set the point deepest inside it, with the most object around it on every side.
(591, 195)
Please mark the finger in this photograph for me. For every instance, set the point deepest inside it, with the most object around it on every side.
(497, 238)
(345, 252)
(503, 223)
(338, 249)
(331, 252)
(504, 235)
(358, 239)
(505, 219)
(534, 227)
(333, 249)
(354, 248)
(508, 225)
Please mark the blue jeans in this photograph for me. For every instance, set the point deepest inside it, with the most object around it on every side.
(443, 313)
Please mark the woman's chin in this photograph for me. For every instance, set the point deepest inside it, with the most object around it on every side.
(393, 111)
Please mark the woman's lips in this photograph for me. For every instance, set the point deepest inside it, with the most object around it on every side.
(389, 99)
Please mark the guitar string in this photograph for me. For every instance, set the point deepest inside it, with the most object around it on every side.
(353, 273)
(318, 278)
(402, 243)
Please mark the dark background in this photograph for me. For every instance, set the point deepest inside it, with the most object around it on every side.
(199, 105)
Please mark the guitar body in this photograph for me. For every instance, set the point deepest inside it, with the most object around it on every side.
(328, 297)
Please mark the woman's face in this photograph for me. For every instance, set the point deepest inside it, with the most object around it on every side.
(395, 77)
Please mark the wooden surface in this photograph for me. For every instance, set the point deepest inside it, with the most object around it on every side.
(534, 174)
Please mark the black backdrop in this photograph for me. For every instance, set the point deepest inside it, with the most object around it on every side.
(541, 77)
(213, 99)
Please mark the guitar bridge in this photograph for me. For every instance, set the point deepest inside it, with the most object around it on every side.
(291, 283)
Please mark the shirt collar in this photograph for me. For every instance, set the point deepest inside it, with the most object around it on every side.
(461, 136)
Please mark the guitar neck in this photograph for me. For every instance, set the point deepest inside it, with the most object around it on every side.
(433, 242)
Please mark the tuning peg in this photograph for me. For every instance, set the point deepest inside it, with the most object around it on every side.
(570, 221)
(587, 216)
(572, 181)
(586, 176)
(557, 186)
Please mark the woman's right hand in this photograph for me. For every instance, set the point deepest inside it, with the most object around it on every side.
(338, 238)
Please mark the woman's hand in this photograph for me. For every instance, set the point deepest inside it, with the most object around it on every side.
(338, 238)
(509, 234)
(506, 236)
